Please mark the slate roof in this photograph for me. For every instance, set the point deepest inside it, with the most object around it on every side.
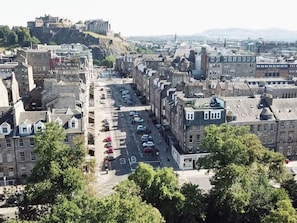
(32, 116)
(6, 115)
(65, 115)
(245, 109)
(284, 108)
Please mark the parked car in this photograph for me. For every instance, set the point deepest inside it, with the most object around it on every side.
(148, 144)
(111, 156)
(149, 150)
(106, 126)
(109, 150)
(140, 127)
(107, 139)
(132, 113)
(108, 144)
(138, 120)
(146, 137)
(144, 131)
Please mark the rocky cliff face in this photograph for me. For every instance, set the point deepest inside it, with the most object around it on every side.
(101, 46)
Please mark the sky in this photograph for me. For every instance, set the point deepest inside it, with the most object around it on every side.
(158, 17)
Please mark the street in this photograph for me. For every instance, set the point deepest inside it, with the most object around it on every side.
(126, 143)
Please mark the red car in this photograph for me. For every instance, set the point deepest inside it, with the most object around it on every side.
(110, 150)
(107, 139)
(149, 150)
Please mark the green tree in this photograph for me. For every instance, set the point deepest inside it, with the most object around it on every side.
(160, 188)
(227, 144)
(291, 187)
(24, 36)
(194, 207)
(4, 31)
(108, 61)
(284, 213)
(123, 206)
(11, 38)
(242, 194)
(58, 171)
(143, 177)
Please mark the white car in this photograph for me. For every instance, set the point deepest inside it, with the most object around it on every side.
(138, 120)
(148, 144)
(145, 138)
(140, 127)
(111, 156)
(132, 113)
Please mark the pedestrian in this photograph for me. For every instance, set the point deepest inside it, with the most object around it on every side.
(168, 159)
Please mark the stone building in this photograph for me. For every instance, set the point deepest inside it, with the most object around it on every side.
(8, 79)
(99, 26)
(228, 89)
(254, 113)
(222, 63)
(39, 59)
(284, 110)
(48, 21)
(17, 137)
(24, 76)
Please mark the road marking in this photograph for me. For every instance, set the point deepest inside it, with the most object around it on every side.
(122, 161)
(133, 159)
(138, 148)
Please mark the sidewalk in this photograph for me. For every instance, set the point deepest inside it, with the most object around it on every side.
(164, 152)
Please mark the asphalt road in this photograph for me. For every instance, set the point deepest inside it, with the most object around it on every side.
(125, 141)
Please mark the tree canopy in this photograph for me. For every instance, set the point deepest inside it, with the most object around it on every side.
(17, 36)
(245, 175)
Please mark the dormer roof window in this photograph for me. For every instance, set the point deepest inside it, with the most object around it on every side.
(73, 123)
(39, 126)
(5, 128)
(59, 121)
(25, 128)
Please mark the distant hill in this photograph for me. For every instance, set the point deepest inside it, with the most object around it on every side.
(273, 34)
(101, 45)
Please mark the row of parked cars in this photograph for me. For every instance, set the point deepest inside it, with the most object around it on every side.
(109, 149)
(146, 139)
(148, 144)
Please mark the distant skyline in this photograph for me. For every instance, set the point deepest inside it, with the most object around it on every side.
(162, 17)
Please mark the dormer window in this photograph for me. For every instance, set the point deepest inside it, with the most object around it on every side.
(38, 127)
(73, 123)
(215, 115)
(59, 121)
(25, 128)
(5, 128)
(190, 115)
(206, 115)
